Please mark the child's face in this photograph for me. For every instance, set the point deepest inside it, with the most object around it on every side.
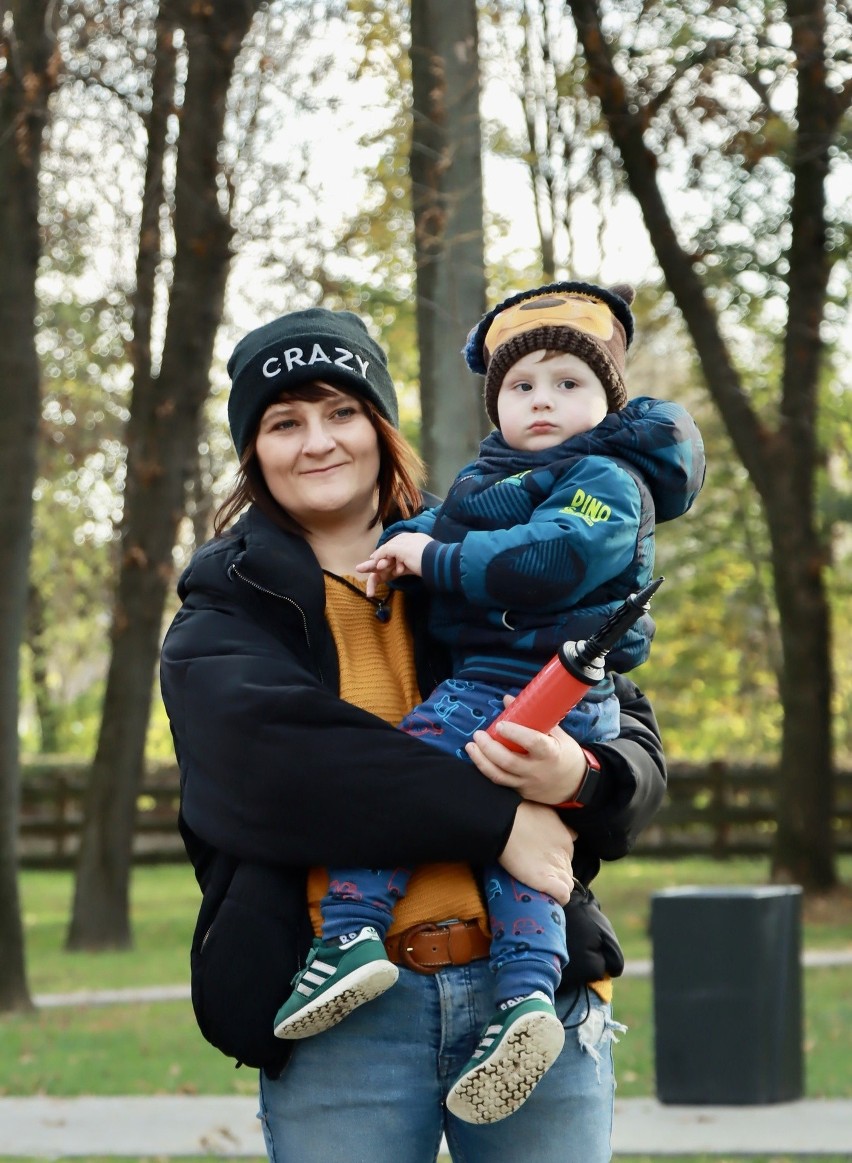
(547, 398)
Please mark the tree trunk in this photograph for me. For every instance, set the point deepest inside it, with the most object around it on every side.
(782, 462)
(149, 250)
(32, 63)
(162, 439)
(47, 708)
(446, 179)
(804, 848)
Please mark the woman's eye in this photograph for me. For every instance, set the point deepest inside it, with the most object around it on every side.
(345, 413)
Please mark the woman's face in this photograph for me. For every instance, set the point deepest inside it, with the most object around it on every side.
(320, 458)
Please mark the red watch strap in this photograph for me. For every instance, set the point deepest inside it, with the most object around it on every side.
(591, 759)
(593, 764)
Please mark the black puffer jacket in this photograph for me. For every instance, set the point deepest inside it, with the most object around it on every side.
(278, 774)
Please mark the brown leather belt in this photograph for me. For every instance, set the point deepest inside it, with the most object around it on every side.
(428, 948)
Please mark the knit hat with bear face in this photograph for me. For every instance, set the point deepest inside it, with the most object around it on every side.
(295, 349)
(591, 322)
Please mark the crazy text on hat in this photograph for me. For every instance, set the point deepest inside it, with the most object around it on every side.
(295, 357)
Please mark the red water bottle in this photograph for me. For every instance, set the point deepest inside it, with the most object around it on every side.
(574, 668)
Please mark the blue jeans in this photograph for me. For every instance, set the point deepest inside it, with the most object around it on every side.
(372, 1089)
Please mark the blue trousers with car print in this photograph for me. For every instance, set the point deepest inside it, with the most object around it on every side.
(528, 950)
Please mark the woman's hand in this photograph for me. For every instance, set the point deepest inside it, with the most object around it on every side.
(550, 772)
(539, 851)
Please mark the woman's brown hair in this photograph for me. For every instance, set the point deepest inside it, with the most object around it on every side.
(401, 473)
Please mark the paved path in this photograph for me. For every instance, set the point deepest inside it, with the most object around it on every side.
(176, 1125)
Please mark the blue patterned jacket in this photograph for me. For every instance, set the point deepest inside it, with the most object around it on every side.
(533, 549)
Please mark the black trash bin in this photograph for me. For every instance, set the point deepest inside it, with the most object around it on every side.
(727, 995)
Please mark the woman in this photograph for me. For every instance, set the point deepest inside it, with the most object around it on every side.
(283, 680)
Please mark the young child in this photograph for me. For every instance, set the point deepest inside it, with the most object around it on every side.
(538, 541)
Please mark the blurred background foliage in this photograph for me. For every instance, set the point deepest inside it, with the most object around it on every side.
(315, 161)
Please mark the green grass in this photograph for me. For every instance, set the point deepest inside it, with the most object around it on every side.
(114, 1050)
(156, 1048)
(164, 902)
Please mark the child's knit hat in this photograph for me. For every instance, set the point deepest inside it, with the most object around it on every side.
(591, 322)
(316, 344)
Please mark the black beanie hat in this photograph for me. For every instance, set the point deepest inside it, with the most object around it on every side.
(316, 344)
(592, 322)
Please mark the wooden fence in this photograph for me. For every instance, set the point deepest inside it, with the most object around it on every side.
(726, 809)
(718, 810)
(51, 815)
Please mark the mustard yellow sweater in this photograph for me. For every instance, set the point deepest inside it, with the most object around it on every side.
(377, 674)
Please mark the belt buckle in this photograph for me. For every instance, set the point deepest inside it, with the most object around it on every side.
(405, 948)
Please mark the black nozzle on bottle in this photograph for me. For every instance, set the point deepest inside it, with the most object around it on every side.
(630, 611)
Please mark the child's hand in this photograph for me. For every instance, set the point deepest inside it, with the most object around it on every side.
(402, 555)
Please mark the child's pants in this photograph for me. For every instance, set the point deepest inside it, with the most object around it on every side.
(528, 950)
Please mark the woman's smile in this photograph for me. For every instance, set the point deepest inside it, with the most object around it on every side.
(323, 468)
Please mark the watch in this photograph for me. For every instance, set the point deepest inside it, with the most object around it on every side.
(585, 793)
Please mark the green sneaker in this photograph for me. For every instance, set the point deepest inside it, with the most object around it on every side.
(337, 978)
(518, 1046)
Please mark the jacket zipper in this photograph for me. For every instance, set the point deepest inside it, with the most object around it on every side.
(282, 598)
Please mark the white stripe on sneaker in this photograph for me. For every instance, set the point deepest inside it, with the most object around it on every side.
(311, 981)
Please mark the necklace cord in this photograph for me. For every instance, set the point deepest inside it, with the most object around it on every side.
(382, 607)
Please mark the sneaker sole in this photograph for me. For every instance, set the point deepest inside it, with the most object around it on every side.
(497, 1087)
(331, 1007)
